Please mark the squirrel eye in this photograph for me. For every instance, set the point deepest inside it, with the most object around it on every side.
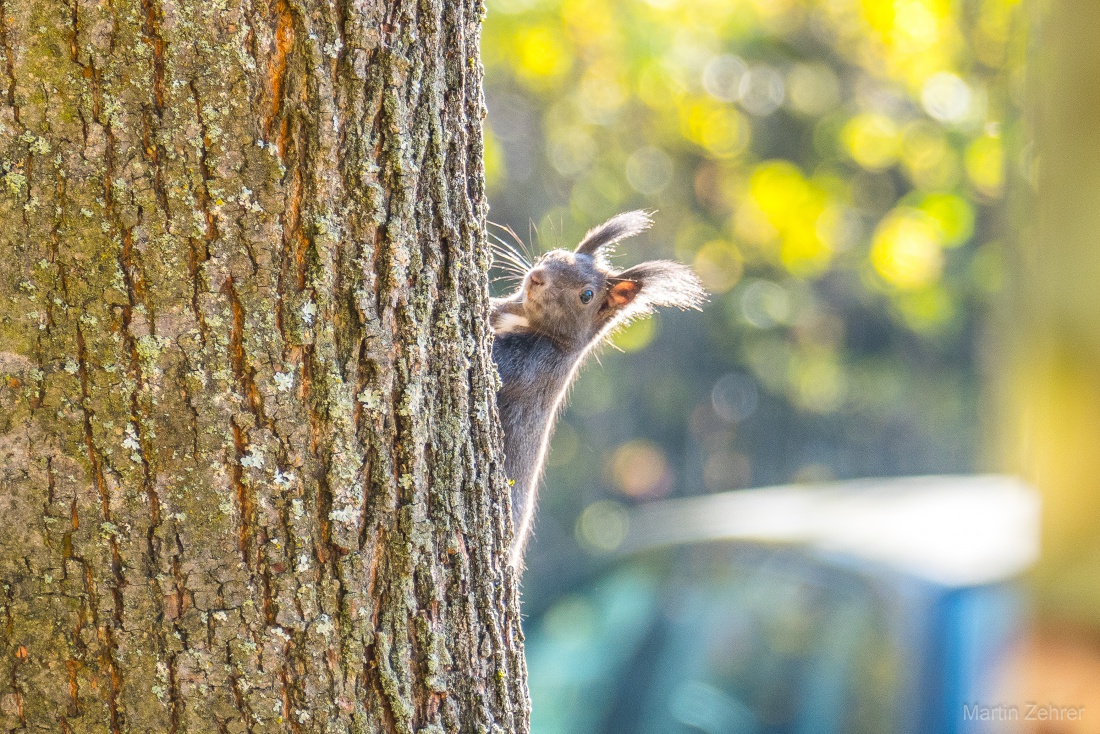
(586, 295)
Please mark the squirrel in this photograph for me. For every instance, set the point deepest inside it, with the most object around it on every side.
(566, 305)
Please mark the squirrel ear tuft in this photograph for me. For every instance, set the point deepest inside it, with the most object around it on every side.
(663, 283)
(602, 238)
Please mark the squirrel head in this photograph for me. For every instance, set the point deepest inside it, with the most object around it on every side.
(576, 298)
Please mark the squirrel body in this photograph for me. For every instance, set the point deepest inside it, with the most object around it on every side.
(567, 304)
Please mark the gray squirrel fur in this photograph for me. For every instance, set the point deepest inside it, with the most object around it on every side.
(545, 329)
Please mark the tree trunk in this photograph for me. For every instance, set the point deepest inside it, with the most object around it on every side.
(249, 458)
(1051, 394)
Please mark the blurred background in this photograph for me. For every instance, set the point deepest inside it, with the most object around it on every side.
(895, 206)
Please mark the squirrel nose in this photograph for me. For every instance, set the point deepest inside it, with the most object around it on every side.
(537, 277)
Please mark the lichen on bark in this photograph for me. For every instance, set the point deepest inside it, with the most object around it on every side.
(249, 473)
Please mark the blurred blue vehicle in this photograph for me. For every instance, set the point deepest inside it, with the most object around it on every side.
(874, 606)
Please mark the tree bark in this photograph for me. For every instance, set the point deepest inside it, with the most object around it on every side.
(249, 455)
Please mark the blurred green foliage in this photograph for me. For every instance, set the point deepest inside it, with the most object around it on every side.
(834, 171)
